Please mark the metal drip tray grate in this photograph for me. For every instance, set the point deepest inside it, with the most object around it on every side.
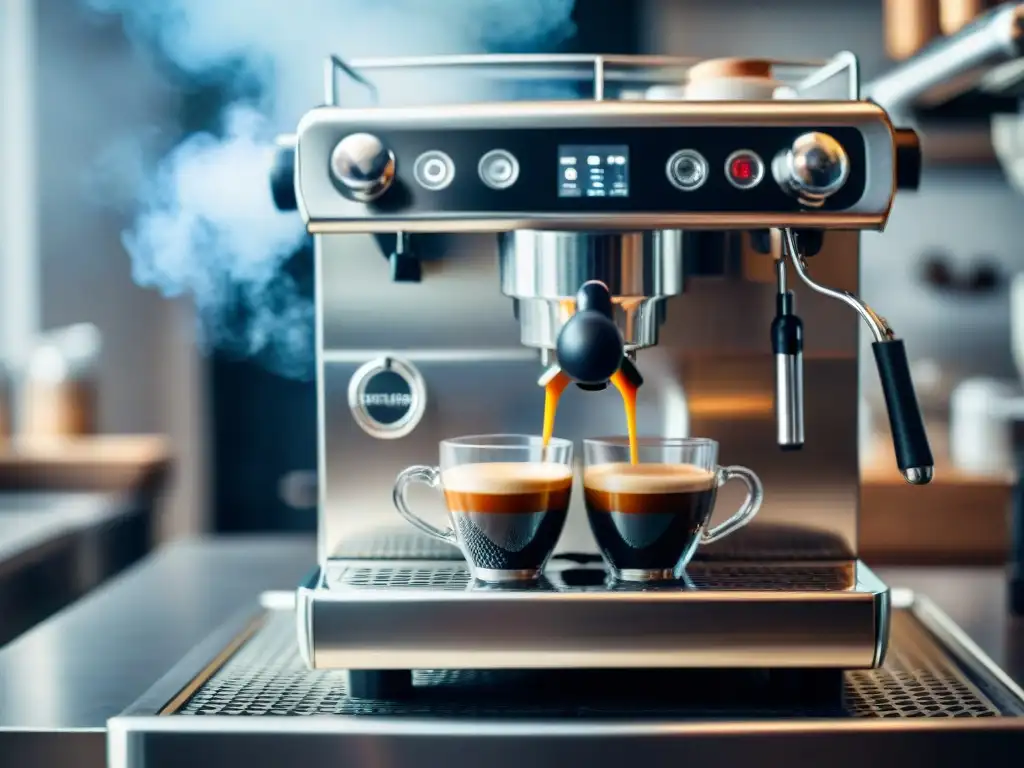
(267, 677)
(388, 544)
(388, 577)
(728, 577)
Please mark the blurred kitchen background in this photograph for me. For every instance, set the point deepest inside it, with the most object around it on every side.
(118, 212)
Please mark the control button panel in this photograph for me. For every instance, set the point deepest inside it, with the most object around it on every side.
(434, 170)
(604, 165)
(387, 397)
(687, 170)
(744, 169)
(498, 169)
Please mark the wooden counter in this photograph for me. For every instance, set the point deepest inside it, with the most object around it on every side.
(84, 464)
(958, 518)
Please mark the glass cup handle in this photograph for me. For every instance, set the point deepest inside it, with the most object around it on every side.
(428, 476)
(749, 508)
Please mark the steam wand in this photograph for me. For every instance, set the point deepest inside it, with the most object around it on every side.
(788, 345)
(913, 454)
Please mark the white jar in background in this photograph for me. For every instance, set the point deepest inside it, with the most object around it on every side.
(981, 415)
(733, 89)
(59, 388)
(729, 79)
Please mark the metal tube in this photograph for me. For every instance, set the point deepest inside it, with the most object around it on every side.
(880, 329)
(992, 38)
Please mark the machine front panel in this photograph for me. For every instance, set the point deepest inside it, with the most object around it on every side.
(593, 165)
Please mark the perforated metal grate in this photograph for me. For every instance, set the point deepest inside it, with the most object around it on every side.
(388, 544)
(433, 577)
(915, 682)
(266, 677)
(808, 578)
(451, 576)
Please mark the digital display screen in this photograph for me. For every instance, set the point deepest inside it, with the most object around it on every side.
(593, 171)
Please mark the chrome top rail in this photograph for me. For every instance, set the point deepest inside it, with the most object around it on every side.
(600, 70)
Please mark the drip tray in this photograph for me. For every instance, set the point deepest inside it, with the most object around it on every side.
(369, 615)
(936, 699)
(267, 677)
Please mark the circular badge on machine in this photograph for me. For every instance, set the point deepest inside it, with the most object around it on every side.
(387, 397)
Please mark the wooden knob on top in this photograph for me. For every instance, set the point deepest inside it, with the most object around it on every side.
(716, 69)
(909, 26)
(956, 14)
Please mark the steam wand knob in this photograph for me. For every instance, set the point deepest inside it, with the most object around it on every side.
(813, 169)
(590, 349)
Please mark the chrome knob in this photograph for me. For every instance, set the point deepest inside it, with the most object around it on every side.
(813, 169)
(363, 165)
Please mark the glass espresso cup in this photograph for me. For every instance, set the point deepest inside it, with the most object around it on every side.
(649, 518)
(507, 497)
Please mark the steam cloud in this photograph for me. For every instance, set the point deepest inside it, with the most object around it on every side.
(205, 223)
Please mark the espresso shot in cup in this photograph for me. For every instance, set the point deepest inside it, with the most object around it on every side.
(507, 499)
(648, 518)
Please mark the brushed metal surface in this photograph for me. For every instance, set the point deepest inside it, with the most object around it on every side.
(712, 374)
(933, 704)
(430, 615)
(543, 271)
(56, 547)
(789, 399)
(260, 674)
(92, 660)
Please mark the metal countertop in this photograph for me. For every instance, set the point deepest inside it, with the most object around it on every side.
(56, 546)
(93, 660)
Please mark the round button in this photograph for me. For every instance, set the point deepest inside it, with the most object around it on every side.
(434, 170)
(498, 169)
(744, 169)
(687, 170)
(363, 165)
(813, 169)
(819, 163)
(387, 397)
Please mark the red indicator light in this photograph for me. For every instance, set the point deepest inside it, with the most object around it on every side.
(742, 169)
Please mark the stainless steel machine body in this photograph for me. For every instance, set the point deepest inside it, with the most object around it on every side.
(406, 363)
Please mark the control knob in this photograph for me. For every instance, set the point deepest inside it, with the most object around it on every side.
(813, 169)
(363, 165)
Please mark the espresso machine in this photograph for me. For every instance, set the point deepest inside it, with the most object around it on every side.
(451, 241)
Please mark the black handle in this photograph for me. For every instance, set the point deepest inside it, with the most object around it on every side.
(908, 158)
(282, 179)
(787, 328)
(913, 455)
(589, 347)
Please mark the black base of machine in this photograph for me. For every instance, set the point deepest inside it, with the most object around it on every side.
(389, 684)
(795, 690)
